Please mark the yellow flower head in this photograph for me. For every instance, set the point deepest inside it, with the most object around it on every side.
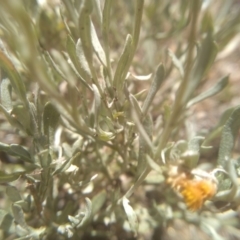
(195, 191)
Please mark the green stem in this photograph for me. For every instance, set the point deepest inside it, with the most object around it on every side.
(180, 103)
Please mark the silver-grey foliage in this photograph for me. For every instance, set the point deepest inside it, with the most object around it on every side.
(87, 134)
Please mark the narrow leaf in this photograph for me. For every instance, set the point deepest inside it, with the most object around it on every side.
(106, 21)
(85, 70)
(119, 78)
(85, 34)
(98, 201)
(66, 164)
(4, 147)
(75, 61)
(141, 130)
(11, 119)
(21, 114)
(13, 194)
(14, 76)
(153, 165)
(9, 177)
(141, 77)
(156, 83)
(191, 155)
(139, 4)
(19, 216)
(88, 213)
(6, 222)
(50, 121)
(135, 105)
(144, 148)
(206, 55)
(71, 49)
(35, 125)
(21, 152)
(6, 92)
(217, 130)
(105, 27)
(228, 138)
(221, 84)
(132, 216)
(97, 103)
(97, 47)
(54, 66)
(194, 143)
(137, 21)
(25, 205)
(64, 67)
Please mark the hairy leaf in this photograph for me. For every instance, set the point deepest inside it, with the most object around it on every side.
(229, 134)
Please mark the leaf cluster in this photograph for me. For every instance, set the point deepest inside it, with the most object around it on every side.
(90, 135)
